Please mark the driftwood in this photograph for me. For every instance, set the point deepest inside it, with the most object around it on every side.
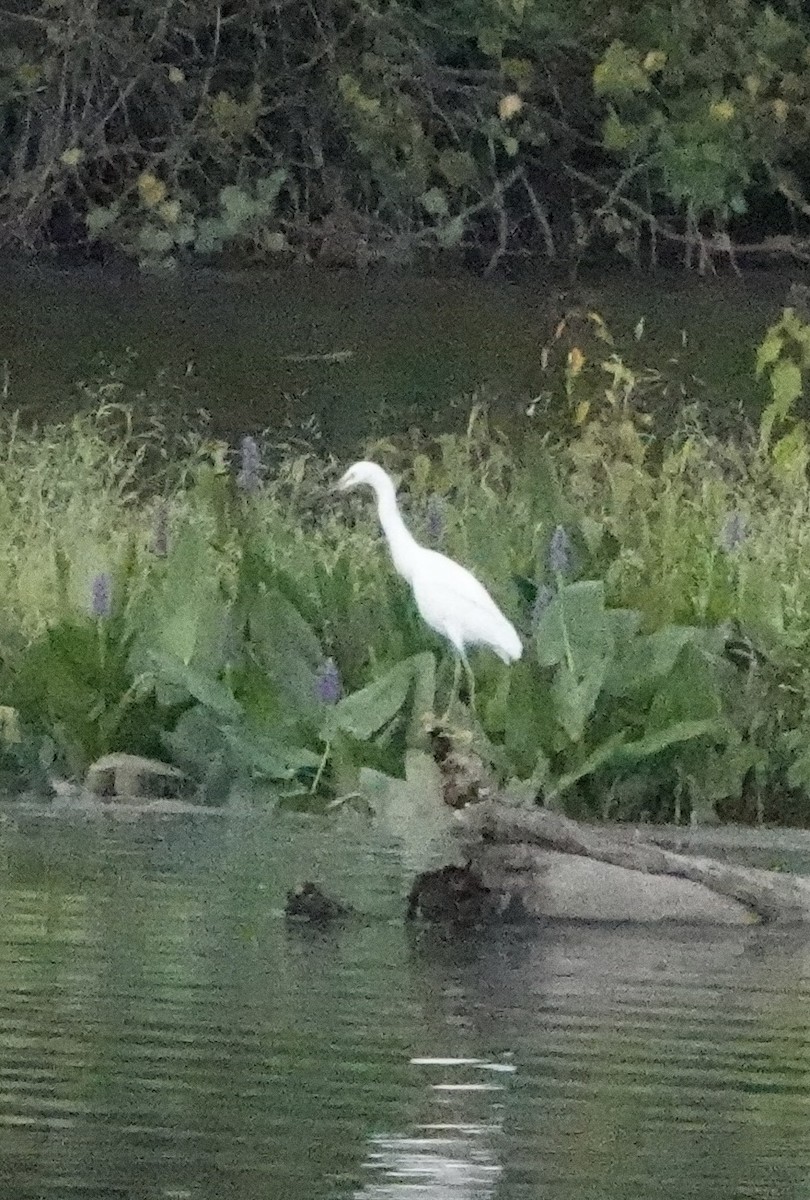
(518, 832)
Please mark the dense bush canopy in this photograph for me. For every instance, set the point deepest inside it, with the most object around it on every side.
(356, 131)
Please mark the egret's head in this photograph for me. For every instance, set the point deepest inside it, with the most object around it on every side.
(367, 473)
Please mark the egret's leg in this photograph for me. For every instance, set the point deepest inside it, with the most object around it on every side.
(470, 682)
(453, 690)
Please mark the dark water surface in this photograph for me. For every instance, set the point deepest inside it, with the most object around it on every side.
(164, 1033)
(258, 350)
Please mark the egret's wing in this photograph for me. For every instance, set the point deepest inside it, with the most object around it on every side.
(452, 601)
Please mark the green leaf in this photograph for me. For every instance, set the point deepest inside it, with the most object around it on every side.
(434, 202)
(786, 386)
(688, 694)
(647, 658)
(209, 236)
(616, 135)
(458, 167)
(789, 453)
(450, 233)
(155, 240)
(365, 712)
(760, 607)
(264, 756)
(620, 72)
(769, 348)
(239, 207)
(661, 739)
(186, 617)
(599, 757)
(286, 647)
(268, 189)
(575, 696)
(575, 629)
(490, 42)
(100, 218)
(209, 691)
(424, 695)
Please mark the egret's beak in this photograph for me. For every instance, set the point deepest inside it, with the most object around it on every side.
(343, 484)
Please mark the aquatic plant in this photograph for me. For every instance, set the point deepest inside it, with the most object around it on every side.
(258, 643)
(328, 687)
(249, 478)
(101, 596)
(559, 552)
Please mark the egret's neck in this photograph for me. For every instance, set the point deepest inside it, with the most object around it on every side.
(401, 542)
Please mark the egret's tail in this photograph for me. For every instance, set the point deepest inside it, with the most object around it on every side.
(509, 647)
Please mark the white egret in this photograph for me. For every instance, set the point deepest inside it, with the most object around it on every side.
(449, 598)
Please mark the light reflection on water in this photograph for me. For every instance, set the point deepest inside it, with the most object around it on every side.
(164, 1032)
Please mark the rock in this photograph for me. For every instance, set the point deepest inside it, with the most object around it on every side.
(552, 884)
(129, 777)
(309, 903)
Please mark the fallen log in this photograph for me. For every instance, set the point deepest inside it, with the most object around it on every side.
(526, 853)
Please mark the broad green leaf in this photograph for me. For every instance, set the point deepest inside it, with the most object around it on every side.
(365, 712)
(490, 42)
(286, 646)
(616, 135)
(760, 604)
(598, 758)
(209, 235)
(620, 72)
(688, 694)
(661, 739)
(208, 690)
(789, 454)
(155, 240)
(575, 696)
(450, 233)
(786, 385)
(186, 617)
(770, 349)
(646, 659)
(264, 756)
(531, 721)
(576, 630)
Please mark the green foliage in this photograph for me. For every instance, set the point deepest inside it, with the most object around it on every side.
(785, 356)
(667, 647)
(454, 124)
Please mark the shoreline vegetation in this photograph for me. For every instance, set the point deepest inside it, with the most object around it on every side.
(231, 616)
(353, 134)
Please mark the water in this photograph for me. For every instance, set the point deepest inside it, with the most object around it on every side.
(407, 350)
(164, 1033)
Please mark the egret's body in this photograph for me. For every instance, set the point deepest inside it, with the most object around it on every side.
(449, 598)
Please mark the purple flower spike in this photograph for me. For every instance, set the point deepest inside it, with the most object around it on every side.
(328, 687)
(160, 531)
(249, 478)
(733, 533)
(435, 520)
(559, 552)
(542, 600)
(101, 596)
